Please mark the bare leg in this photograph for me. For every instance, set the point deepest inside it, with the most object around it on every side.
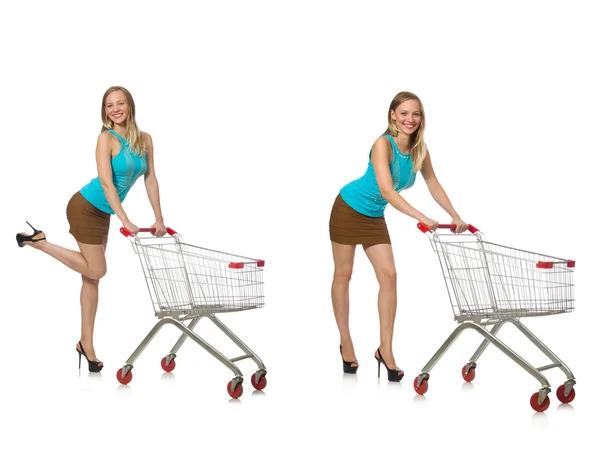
(89, 306)
(343, 257)
(89, 262)
(382, 259)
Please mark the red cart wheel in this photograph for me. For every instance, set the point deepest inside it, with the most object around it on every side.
(536, 406)
(168, 368)
(422, 389)
(560, 394)
(468, 376)
(260, 384)
(235, 394)
(126, 379)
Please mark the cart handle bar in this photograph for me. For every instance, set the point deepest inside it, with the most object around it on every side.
(424, 228)
(233, 265)
(128, 233)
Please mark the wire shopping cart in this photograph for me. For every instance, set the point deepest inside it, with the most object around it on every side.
(187, 282)
(491, 285)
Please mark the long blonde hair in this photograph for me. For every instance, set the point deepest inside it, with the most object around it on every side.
(132, 133)
(418, 149)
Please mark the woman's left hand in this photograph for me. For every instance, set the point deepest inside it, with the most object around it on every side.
(461, 225)
(161, 230)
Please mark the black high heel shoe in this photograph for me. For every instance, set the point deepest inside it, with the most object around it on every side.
(93, 366)
(393, 375)
(29, 238)
(348, 368)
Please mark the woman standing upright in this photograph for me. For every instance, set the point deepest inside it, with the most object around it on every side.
(123, 154)
(357, 218)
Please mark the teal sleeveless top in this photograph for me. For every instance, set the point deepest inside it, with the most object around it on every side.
(363, 194)
(127, 167)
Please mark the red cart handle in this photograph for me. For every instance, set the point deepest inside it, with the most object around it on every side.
(128, 233)
(424, 228)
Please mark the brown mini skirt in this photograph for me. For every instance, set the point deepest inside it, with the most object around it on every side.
(349, 227)
(87, 223)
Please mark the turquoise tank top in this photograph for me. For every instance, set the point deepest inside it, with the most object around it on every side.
(363, 194)
(127, 167)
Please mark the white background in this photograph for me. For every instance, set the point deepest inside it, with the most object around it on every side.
(260, 112)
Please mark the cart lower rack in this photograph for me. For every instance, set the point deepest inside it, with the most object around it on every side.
(187, 283)
(492, 285)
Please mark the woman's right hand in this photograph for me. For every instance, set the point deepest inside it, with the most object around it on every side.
(433, 225)
(134, 229)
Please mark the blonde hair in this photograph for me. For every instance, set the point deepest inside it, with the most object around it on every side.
(418, 149)
(132, 133)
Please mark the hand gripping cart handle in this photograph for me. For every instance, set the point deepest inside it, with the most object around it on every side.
(491, 285)
(187, 283)
(151, 230)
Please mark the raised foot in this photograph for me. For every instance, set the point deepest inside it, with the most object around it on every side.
(24, 239)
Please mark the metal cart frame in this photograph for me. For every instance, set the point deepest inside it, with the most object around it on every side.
(492, 285)
(187, 283)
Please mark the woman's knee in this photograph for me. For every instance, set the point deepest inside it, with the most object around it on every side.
(95, 259)
(95, 274)
(387, 277)
(342, 275)
(89, 280)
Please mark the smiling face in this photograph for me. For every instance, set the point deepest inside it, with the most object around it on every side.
(407, 117)
(117, 107)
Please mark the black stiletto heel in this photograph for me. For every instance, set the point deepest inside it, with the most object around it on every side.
(348, 368)
(29, 238)
(392, 374)
(93, 366)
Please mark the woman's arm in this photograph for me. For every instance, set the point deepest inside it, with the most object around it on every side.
(104, 166)
(381, 156)
(152, 190)
(439, 195)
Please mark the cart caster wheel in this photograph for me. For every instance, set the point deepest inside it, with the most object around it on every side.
(237, 392)
(168, 368)
(468, 376)
(536, 406)
(422, 389)
(260, 384)
(126, 379)
(560, 394)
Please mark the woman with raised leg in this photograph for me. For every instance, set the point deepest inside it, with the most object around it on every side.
(123, 154)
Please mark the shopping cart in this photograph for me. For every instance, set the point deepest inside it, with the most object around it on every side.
(491, 285)
(187, 283)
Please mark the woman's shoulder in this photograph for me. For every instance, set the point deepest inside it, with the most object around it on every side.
(382, 143)
(107, 137)
(383, 139)
(146, 136)
(382, 149)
